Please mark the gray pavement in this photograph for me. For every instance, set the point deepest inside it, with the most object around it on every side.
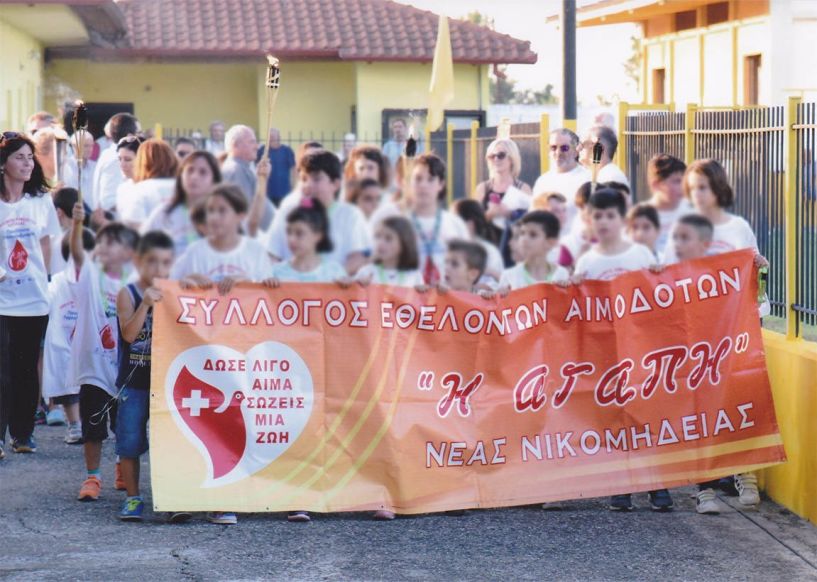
(46, 535)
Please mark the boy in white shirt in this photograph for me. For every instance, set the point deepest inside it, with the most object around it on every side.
(465, 263)
(644, 227)
(539, 235)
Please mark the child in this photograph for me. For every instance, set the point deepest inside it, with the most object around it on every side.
(555, 203)
(59, 335)
(64, 200)
(473, 215)
(310, 246)
(365, 194)
(225, 257)
(539, 235)
(134, 307)
(643, 227)
(692, 237)
(319, 173)
(395, 255)
(579, 238)
(514, 244)
(610, 257)
(368, 163)
(464, 265)
(94, 350)
(665, 176)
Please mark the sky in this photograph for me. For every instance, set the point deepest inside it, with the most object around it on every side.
(600, 51)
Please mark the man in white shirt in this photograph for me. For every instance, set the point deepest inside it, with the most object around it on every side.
(566, 175)
(608, 171)
(215, 143)
(107, 175)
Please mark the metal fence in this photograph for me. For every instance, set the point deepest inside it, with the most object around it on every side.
(805, 207)
(649, 133)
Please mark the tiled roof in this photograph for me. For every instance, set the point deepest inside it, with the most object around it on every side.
(364, 30)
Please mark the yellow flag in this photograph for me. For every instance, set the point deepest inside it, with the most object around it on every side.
(441, 89)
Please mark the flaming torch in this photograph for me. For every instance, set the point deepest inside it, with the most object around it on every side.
(598, 149)
(273, 83)
(80, 127)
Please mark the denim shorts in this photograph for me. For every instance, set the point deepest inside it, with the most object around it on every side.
(132, 423)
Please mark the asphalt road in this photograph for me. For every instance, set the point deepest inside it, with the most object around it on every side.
(46, 535)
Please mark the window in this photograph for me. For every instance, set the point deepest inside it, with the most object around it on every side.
(685, 20)
(751, 79)
(658, 82)
(716, 13)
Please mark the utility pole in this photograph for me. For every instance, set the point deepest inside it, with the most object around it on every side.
(568, 24)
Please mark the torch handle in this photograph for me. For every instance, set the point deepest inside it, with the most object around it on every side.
(78, 135)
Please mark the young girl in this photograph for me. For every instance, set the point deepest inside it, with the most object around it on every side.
(307, 235)
(27, 223)
(366, 194)
(198, 173)
(226, 256)
(395, 255)
(474, 217)
(367, 162)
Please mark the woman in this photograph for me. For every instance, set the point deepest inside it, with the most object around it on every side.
(27, 221)
(126, 153)
(198, 174)
(154, 180)
(503, 195)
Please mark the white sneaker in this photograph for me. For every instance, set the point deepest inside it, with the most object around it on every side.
(707, 503)
(73, 434)
(222, 518)
(746, 484)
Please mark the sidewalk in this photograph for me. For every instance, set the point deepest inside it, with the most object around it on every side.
(45, 534)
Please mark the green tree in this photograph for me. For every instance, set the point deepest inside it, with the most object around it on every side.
(632, 66)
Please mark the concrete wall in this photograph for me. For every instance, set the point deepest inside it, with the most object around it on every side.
(21, 77)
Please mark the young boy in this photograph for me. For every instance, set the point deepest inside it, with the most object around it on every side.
(644, 226)
(64, 200)
(665, 175)
(134, 307)
(320, 174)
(610, 257)
(94, 350)
(464, 265)
(539, 235)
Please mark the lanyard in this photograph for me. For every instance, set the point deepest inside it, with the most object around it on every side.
(529, 280)
(428, 243)
(383, 278)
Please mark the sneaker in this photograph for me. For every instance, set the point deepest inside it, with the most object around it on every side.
(179, 517)
(24, 445)
(660, 500)
(707, 503)
(746, 484)
(2, 452)
(384, 515)
(132, 509)
(90, 489)
(621, 502)
(73, 434)
(553, 506)
(118, 481)
(222, 518)
(39, 415)
(55, 417)
(727, 485)
(299, 516)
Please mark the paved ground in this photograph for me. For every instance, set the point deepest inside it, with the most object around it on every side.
(46, 535)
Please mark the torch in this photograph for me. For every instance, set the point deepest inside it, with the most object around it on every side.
(80, 127)
(273, 83)
(598, 149)
(408, 164)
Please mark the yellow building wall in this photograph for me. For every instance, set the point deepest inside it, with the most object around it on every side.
(792, 369)
(21, 75)
(405, 86)
(718, 68)
(184, 96)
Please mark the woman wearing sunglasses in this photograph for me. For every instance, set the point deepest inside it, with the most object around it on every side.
(503, 195)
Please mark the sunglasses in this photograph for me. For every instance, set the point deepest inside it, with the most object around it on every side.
(10, 135)
(562, 148)
(497, 156)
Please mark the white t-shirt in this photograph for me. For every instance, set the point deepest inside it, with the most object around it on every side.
(107, 178)
(94, 355)
(176, 223)
(594, 265)
(612, 173)
(518, 277)
(326, 272)
(494, 265)
(62, 320)
(137, 203)
(732, 235)
(348, 230)
(249, 260)
(667, 219)
(451, 227)
(566, 184)
(24, 292)
(392, 277)
(58, 264)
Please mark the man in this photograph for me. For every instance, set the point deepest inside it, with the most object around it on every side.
(215, 143)
(107, 175)
(38, 121)
(239, 167)
(349, 143)
(71, 178)
(566, 175)
(184, 147)
(395, 147)
(282, 164)
(608, 171)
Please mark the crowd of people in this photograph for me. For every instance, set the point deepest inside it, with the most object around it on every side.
(78, 271)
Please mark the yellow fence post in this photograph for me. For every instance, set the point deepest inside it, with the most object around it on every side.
(791, 218)
(621, 151)
(449, 161)
(689, 137)
(544, 131)
(157, 131)
(474, 157)
(427, 135)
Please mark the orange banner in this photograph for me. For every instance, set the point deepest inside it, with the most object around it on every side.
(317, 398)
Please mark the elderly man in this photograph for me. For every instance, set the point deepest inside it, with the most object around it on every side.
(608, 171)
(239, 167)
(566, 175)
(71, 178)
